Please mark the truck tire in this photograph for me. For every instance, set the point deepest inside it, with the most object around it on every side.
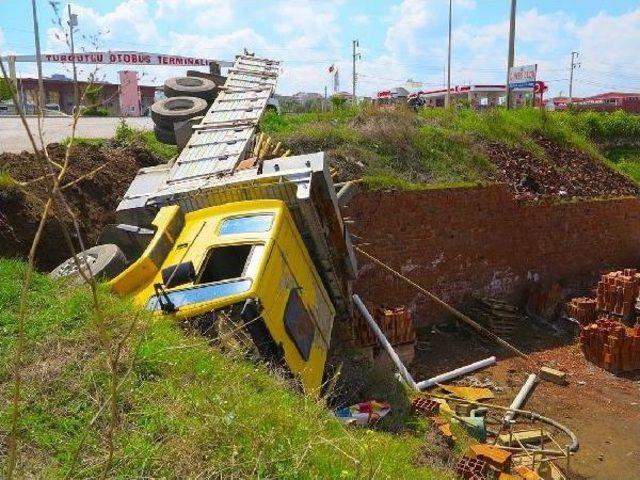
(190, 87)
(167, 111)
(105, 262)
(165, 135)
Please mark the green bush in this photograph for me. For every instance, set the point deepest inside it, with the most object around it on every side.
(94, 112)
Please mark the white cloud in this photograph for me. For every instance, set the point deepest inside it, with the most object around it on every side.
(407, 19)
(206, 14)
(360, 19)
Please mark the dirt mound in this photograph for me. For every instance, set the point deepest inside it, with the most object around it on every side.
(93, 199)
(568, 172)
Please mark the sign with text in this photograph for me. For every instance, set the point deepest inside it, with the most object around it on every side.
(523, 77)
(123, 58)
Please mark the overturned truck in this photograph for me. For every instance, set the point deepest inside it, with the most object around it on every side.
(220, 235)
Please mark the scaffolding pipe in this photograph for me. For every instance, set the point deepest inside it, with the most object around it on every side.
(385, 343)
(443, 377)
(521, 397)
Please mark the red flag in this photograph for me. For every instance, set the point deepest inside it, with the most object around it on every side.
(331, 69)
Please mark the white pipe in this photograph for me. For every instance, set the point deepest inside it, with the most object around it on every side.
(455, 373)
(384, 342)
(521, 397)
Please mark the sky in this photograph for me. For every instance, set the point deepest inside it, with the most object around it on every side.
(399, 40)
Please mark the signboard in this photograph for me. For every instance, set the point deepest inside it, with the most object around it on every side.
(123, 58)
(523, 77)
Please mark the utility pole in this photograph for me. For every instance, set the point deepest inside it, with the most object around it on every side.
(356, 56)
(447, 100)
(38, 57)
(512, 39)
(574, 65)
(73, 22)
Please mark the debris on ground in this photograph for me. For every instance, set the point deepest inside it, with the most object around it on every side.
(498, 316)
(552, 375)
(364, 413)
(494, 456)
(93, 198)
(473, 394)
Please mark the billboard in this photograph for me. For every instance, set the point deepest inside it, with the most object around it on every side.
(123, 58)
(522, 77)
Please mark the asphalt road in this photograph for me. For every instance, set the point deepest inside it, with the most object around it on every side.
(13, 137)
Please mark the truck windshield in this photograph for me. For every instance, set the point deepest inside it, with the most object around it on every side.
(202, 293)
(250, 224)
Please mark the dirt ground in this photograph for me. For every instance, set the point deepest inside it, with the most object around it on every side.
(92, 199)
(601, 409)
(569, 173)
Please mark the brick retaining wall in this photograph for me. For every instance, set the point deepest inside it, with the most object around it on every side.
(459, 241)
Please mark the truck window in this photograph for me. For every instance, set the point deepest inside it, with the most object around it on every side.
(249, 224)
(298, 324)
(201, 293)
(231, 261)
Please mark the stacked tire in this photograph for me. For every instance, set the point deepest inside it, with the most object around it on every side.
(187, 97)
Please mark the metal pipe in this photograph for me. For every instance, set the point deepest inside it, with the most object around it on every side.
(385, 343)
(347, 192)
(443, 377)
(521, 397)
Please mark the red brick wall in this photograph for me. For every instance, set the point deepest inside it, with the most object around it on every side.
(459, 241)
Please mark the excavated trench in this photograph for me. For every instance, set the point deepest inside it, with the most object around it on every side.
(93, 199)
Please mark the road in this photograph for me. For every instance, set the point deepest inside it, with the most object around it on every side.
(13, 137)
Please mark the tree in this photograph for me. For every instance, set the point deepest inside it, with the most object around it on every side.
(5, 89)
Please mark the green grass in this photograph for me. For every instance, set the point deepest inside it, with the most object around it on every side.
(93, 142)
(127, 135)
(186, 409)
(399, 149)
(626, 160)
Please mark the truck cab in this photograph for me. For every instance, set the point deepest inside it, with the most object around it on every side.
(244, 261)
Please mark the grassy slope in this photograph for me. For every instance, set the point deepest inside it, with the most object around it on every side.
(435, 147)
(186, 409)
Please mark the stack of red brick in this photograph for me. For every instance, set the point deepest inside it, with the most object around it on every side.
(583, 310)
(617, 292)
(611, 345)
(395, 322)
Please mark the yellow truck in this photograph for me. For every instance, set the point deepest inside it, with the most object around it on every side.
(218, 236)
(244, 261)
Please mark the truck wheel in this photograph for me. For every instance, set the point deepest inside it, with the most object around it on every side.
(190, 87)
(105, 261)
(165, 135)
(167, 111)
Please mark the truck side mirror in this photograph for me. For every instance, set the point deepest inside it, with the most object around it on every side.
(178, 274)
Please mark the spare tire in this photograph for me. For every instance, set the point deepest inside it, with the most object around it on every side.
(167, 111)
(165, 135)
(104, 261)
(190, 87)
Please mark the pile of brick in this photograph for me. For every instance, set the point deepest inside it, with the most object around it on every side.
(611, 345)
(471, 468)
(617, 292)
(583, 309)
(395, 322)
